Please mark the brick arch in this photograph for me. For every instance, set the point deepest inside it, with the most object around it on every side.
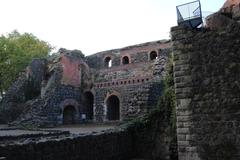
(125, 55)
(118, 95)
(90, 90)
(150, 52)
(70, 104)
(115, 93)
(104, 59)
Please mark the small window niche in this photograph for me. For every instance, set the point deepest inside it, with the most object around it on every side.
(153, 55)
(125, 60)
(108, 62)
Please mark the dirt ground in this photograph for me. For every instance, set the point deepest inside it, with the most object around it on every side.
(87, 128)
(74, 129)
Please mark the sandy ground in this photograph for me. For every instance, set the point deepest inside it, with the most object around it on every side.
(74, 129)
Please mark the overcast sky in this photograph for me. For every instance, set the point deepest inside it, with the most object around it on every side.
(94, 25)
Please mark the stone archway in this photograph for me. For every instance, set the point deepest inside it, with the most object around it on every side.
(113, 108)
(88, 104)
(69, 107)
(69, 115)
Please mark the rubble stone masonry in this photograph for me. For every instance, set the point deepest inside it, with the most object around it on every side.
(207, 86)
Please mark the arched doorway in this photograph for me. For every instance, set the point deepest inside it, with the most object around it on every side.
(113, 108)
(88, 103)
(69, 114)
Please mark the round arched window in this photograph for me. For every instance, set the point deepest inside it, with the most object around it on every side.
(153, 55)
(108, 62)
(125, 60)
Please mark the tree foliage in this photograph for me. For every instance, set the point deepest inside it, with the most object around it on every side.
(16, 52)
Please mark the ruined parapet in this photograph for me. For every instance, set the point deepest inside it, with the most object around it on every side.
(206, 74)
(66, 77)
(229, 13)
(102, 60)
(47, 87)
(218, 21)
(36, 74)
(29, 79)
(26, 87)
(231, 8)
(134, 54)
(159, 69)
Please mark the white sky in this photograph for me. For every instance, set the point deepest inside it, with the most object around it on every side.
(94, 25)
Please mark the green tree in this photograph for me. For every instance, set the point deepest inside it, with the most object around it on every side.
(16, 52)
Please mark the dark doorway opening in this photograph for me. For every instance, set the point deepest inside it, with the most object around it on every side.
(88, 103)
(113, 108)
(69, 115)
(153, 55)
(125, 60)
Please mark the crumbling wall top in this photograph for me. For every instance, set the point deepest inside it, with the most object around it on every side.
(230, 3)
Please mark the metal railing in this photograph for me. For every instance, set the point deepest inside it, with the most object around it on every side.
(189, 14)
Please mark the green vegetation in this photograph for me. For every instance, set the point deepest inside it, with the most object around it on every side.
(167, 102)
(16, 52)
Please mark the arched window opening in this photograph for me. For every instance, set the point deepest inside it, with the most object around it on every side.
(113, 108)
(108, 62)
(88, 105)
(153, 55)
(69, 115)
(125, 60)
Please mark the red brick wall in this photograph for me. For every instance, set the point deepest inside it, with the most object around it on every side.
(71, 72)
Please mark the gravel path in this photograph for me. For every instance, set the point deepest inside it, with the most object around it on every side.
(74, 129)
(88, 128)
(19, 132)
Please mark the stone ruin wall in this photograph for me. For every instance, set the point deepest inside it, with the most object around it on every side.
(207, 86)
(110, 145)
(40, 94)
(229, 13)
(137, 84)
(64, 79)
(26, 87)
(231, 8)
